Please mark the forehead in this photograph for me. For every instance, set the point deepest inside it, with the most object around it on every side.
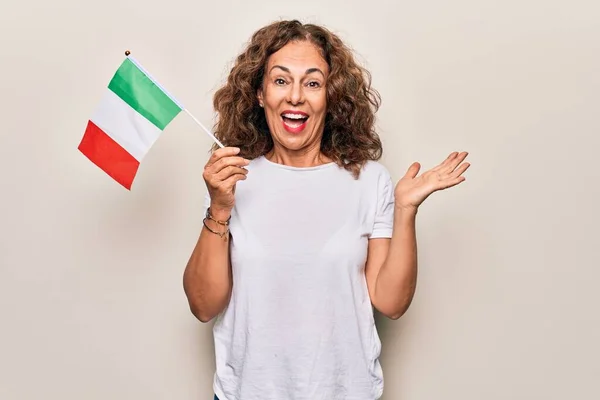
(298, 57)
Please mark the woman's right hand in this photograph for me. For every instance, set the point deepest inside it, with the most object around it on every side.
(221, 172)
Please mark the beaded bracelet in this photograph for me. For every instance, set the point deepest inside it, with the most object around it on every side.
(209, 216)
(221, 234)
(224, 223)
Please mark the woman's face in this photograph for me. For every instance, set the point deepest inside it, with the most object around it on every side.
(294, 96)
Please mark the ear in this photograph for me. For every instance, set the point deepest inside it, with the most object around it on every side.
(259, 96)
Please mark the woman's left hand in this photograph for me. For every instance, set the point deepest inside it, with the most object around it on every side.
(412, 190)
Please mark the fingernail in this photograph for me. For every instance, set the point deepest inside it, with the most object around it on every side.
(236, 150)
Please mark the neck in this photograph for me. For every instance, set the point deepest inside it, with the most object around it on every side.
(310, 157)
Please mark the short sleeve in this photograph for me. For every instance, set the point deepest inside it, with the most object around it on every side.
(384, 211)
(206, 202)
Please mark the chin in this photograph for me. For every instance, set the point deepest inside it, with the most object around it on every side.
(293, 142)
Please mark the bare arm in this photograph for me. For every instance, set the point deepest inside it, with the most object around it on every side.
(391, 269)
(207, 279)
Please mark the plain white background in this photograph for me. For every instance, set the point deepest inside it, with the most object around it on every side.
(91, 299)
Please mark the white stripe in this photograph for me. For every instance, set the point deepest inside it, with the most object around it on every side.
(125, 125)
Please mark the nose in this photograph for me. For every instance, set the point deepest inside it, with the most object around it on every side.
(295, 93)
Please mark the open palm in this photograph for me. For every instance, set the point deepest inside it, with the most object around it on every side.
(412, 190)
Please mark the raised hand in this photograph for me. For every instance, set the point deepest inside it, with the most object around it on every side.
(412, 190)
(221, 173)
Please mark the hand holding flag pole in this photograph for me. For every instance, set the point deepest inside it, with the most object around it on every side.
(132, 114)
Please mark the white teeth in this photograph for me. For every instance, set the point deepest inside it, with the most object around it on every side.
(294, 116)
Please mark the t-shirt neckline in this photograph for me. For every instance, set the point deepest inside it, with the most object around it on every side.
(300, 169)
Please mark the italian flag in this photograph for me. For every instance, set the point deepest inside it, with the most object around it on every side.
(132, 113)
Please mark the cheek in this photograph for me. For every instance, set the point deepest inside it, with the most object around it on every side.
(321, 105)
(273, 96)
(321, 111)
(273, 119)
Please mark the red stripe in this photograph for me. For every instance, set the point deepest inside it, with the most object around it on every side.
(108, 155)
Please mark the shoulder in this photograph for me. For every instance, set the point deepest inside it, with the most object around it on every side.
(374, 170)
(258, 165)
(256, 162)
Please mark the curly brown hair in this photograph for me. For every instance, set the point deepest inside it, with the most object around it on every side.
(349, 137)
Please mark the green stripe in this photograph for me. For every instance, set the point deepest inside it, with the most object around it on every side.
(137, 90)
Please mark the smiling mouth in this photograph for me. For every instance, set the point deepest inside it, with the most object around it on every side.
(294, 122)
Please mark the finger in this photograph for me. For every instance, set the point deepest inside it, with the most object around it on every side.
(232, 180)
(222, 152)
(226, 172)
(452, 182)
(413, 170)
(460, 170)
(457, 160)
(214, 178)
(447, 161)
(226, 162)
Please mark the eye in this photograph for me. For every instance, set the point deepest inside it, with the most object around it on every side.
(314, 84)
(280, 81)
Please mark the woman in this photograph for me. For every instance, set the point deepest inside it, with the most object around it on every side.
(304, 232)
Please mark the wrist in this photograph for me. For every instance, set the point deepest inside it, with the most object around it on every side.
(401, 212)
(406, 209)
(220, 213)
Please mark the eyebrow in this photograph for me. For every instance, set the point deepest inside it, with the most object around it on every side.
(308, 71)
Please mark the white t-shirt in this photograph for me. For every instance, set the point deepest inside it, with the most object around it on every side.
(299, 325)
